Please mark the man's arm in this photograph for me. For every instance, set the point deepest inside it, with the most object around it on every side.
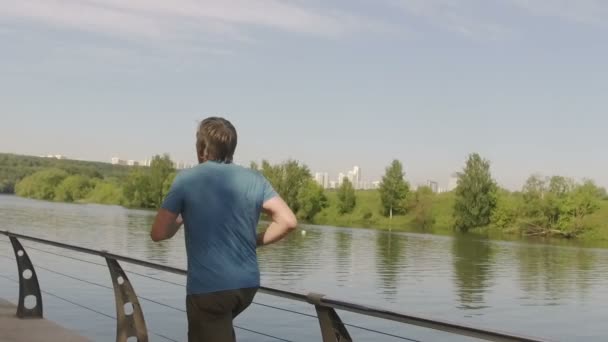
(165, 225)
(283, 221)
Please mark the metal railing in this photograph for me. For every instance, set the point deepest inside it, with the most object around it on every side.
(130, 319)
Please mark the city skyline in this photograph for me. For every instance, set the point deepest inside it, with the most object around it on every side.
(330, 84)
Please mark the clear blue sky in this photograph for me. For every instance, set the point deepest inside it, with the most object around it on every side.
(331, 83)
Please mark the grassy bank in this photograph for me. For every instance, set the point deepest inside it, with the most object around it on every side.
(598, 225)
(367, 214)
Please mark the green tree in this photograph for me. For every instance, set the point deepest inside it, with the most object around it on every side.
(394, 189)
(168, 182)
(288, 179)
(475, 194)
(582, 201)
(534, 191)
(73, 188)
(311, 199)
(161, 168)
(558, 205)
(41, 185)
(7, 186)
(347, 199)
(274, 174)
(105, 193)
(14, 168)
(137, 190)
(508, 207)
(421, 206)
(555, 201)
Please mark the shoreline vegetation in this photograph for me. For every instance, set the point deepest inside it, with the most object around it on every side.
(546, 207)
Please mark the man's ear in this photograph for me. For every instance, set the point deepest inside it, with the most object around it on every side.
(201, 154)
(203, 157)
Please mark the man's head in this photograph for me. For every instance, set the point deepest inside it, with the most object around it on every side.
(215, 140)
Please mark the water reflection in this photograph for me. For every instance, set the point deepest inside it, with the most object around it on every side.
(343, 256)
(553, 275)
(473, 260)
(293, 259)
(390, 250)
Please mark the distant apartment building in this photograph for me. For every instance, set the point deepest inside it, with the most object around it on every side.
(353, 176)
(376, 185)
(56, 156)
(118, 161)
(322, 178)
(356, 171)
(341, 177)
(333, 184)
(182, 165)
(132, 162)
(433, 185)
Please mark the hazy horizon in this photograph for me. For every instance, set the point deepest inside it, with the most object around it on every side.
(427, 82)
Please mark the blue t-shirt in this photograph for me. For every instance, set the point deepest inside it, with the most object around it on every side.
(220, 204)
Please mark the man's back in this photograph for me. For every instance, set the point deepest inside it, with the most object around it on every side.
(220, 204)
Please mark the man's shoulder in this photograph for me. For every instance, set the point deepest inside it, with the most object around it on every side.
(246, 173)
(220, 169)
(186, 173)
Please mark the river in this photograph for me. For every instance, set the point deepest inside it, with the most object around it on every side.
(559, 292)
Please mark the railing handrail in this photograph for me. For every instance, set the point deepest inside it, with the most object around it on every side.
(416, 320)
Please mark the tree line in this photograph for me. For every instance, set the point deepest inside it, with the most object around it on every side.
(544, 206)
(137, 187)
(14, 167)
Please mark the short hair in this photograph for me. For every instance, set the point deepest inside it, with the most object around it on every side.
(216, 139)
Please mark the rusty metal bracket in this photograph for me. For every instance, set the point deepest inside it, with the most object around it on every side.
(332, 328)
(29, 288)
(129, 315)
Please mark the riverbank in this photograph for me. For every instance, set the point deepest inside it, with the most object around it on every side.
(551, 207)
(367, 215)
(440, 220)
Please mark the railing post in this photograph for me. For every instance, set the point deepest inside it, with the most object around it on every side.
(28, 283)
(129, 315)
(332, 328)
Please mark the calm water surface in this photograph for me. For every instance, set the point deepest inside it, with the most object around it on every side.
(550, 291)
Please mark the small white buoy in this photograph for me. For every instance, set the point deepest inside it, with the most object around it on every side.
(303, 232)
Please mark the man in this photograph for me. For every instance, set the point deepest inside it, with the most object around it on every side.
(220, 204)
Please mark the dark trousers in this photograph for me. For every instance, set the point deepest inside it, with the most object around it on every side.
(210, 315)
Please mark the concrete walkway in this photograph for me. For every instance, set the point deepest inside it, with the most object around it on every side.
(13, 329)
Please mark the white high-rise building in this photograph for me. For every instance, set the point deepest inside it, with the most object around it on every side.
(353, 176)
(356, 177)
(341, 177)
(433, 185)
(118, 161)
(322, 178)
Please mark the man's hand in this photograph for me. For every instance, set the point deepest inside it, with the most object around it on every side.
(283, 221)
(165, 225)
